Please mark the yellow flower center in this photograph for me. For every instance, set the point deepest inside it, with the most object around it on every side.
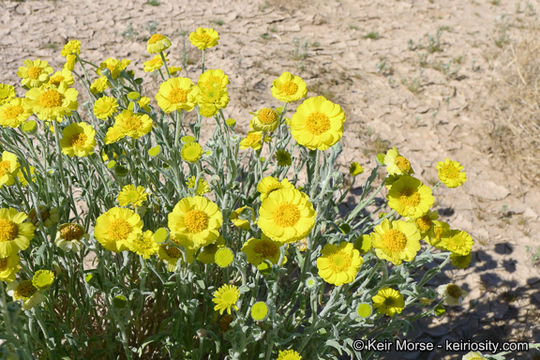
(409, 197)
(8, 230)
(449, 172)
(266, 116)
(24, 290)
(265, 248)
(177, 95)
(394, 240)
(204, 38)
(196, 221)
(286, 215)
(132, 122)
(155, 38)
(424, 223)
(34, 72)
(12, 112)
(71, 232)
(4, 167)
(289, 88)
(403, 164)
(317, 123)
(51, 98)
(339, 261)
(119, 229)
(78, 140)
(454, 291)
(389, 302)
(172, 252)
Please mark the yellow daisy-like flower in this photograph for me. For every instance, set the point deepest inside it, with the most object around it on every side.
(131, 195)
(452, 294)
(191, 152)
(259, 250)
(175, 94)
(43, 279)
(64, 76)
(99, 85)
(211, 92)
(115, 66)
(339, 264)
(25, 291)
(450, 173)
(118, 228)
(460, 261)
(438, 230)
(69, 237)
(207, 254)
(144, 103)
(105, 107)
(283, 157)
(457, 241)
(153, 64)
(355, 169)
(396, 164)
(317, 123)
(225, 298)
(8, 168)
(223, 257)
(15, 232)
(204, 38)
(269, 184)
(259, 311)
(396, 241)
(170, 255)
(7, 92)
(409, 197)
(286, 215)
(157, 43)
(78, 139)
(195, 222)
(473, 355)
(71, 47)
(289, 88)
(52, 103)
(14, 112)
(9, 266)
(289, 355)
(201, 188)
(243, 217)
(128, 124)
(144, 245)
(265, 119)
(70, 62)
(425, 222)
(252, 140)
(388, 301)
(34, 73)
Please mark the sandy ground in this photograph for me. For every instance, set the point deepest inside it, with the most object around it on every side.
(417, 74)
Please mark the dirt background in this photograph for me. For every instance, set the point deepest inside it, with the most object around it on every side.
(435, 78)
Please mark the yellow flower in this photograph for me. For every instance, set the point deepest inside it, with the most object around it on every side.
(202, 186)
(176, 94)
(211, 92)
(283, 157)
(154, 151)
(457, 241)
(15, 232)
(52, 103)
(71, 47)
(286, 215)
(157, 43)
(363, 310)
(243, 217)
(436, 233)
(204, 38)
(355, 169)
(42, 279)
(259, 311)
(105, 107)
(69, 237)
(223, 257)
(25, 291)
(78, 139)
(99, 85)
(34, 73)
(128, 124)
(289, 88)
(266, 120)
(252, 140)
(191, 152)
(115, 66)
(396, 241)
(409, 197)
(473, 355)
(144, 245)
(153, 64)
(259, 250)
(288, 355)
(396, 164)
(230, 122)
(460, 261)
(339, 264)
(207, 254)
(7, 92)
(173, 70)
(388, 301)
(225, 298)
(450, 173)
(169, 254)
(425, 223)
(195, 222)
(452, 294)
(8, 168)
(269, 184)
(317, 123)
(131, 195)
(118, 228)
(70, 62)
(58, 77)
(144, 103)
(9, 266)
(14, 112)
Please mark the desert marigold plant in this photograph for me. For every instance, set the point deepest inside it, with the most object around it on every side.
(145, 224)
